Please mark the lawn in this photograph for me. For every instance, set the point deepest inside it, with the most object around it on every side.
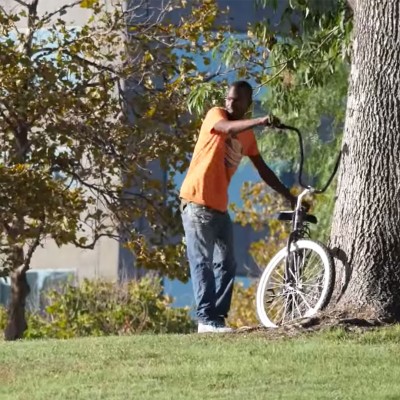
(330, 365)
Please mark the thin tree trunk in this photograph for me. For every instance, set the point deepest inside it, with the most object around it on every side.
(365, 234)
(17, 324)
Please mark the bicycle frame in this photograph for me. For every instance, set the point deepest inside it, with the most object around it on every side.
(298, 220)
(297, 231)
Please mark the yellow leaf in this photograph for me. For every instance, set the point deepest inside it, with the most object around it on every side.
(88, 3)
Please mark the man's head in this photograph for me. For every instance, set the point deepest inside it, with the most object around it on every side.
(238, 99)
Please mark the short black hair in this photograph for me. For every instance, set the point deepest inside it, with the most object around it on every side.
(245, 86)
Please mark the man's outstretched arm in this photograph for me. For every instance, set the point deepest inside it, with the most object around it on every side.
(234, 127)
(271, 179)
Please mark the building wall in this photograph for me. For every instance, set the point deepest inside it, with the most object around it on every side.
(99, 262)
(75, 16)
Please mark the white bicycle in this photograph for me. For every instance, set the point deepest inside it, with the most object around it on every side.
(299, 279)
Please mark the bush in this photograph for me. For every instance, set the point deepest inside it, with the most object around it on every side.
(243, 307)
(3, 318)
(99, 308)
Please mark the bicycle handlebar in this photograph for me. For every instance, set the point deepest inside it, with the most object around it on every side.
(318, 191)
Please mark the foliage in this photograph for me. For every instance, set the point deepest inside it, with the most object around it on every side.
(83, 111)
(3, 318)
(243, 307)
(100, 308)
(308, 38)
(205, 96)
(312, 39)
(319, 113)
(260, 206)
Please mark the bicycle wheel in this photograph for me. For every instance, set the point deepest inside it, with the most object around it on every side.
(297, 286)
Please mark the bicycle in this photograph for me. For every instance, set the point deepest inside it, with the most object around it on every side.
(299, 280)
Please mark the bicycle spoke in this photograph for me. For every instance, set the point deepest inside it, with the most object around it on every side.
(305, 301)
(275, 298)
(293, 274)
(284, 311)
(277, 282)
(313, 284)
(277, 305)
(279, 310)
(308, 285)
(310, 297)
(296, 304)
(313, 266)
(292, 306)
(283, 279)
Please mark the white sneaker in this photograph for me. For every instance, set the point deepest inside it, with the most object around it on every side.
(213, 328)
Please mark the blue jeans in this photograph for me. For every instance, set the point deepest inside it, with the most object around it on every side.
(209, 241)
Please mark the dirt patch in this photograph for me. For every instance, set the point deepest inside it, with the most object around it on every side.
(318, 323)
(7, 375)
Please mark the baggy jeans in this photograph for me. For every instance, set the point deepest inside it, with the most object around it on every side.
(209, 242)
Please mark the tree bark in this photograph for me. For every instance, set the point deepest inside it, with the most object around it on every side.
(16, 312)
(365, 235)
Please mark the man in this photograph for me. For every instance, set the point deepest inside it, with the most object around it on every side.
(224, 138)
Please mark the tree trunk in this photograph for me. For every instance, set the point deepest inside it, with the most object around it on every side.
(16, 313)
(365, 235)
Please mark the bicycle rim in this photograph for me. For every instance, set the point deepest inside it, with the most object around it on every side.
(297, 285)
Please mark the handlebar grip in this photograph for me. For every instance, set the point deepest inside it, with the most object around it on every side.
(283, 126)
(279, 126)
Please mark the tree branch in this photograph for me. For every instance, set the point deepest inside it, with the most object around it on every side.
(47, 16)
(96, 238)
(7, 228)
(218, 74)
(8, 120)
(31, 250)
(32, 16)
(271, 78)
(22, 3)
(91, 63)
(4, 273)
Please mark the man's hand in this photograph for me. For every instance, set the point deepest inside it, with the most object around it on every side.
(270, 120)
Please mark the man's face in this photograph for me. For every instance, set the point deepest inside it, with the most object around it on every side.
(237, 102)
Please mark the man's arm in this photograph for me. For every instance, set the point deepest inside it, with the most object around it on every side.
(271, 179)
(234, 127)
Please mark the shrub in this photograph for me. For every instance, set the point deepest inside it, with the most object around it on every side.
(3, 318)
(99, 308)
(243, 307)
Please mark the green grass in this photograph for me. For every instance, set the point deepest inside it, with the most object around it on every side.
(333, 365)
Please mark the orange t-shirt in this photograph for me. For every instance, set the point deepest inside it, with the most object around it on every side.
(215, 159)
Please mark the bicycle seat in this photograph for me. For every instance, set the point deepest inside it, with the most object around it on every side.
(288, 216)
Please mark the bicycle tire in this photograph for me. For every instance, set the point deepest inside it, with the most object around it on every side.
(265, 309)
